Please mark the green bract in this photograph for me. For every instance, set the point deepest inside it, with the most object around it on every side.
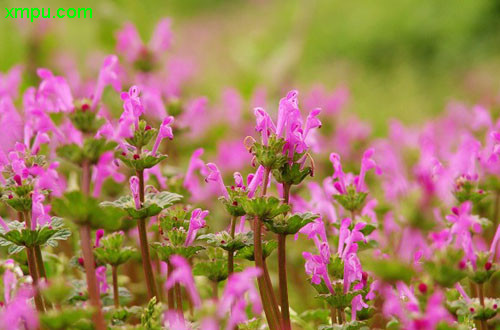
(18, 197)
(338, 299)
(247, 252)
(265, 208)
(291, 174)
(142, 135)
(86, 121)
(290, 224)
(270, 156)
(154, 203)
(145, 160)
(352, 200)
(19, 237)
(224, 240)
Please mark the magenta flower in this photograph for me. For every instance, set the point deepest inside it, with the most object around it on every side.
(162, 37)
(183, 275)
(165, 131)
(99, 234)
(100, 274)
(196, 222)
(175, 320)
(134, 188)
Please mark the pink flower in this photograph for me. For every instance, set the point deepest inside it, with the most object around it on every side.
(196, 222)
(215, 176)
(9, 82)
(54, 93)
(107, 76)
(318, 270)
(233, 301)
(19, 313)
(162, 37)
(183, 275)
(129, 42)
(165, 131)
(134, 188)
(105, 168)
(132, 106)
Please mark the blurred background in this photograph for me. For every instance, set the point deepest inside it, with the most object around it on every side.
(398, 58)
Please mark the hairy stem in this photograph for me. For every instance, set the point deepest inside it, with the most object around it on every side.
(34, 275)
(170, 292)
(259, 262)
(178, 298)
(39, 261)
(116, 296)
(143, 237)
(88, 257)
(230, 254)
(283, 286)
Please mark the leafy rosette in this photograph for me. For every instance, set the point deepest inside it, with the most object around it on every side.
(91, 150)
(224, 240)
(19, 197)
(166, 251)
(153, 204)
(111, 252)
(290, 224)
(338, 299)
(265, 208)
(17, 237)
(474, 309)
(248, 251)
(444, 267)
(85, 209)
(484, 270)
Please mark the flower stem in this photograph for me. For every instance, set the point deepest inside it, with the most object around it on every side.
(178, 298)
(34, 275)
(285, 312)
(39, 261)
(259, 262)
(170, 292)
(480, 289)
(230, 254)
(283, 286)
(143, 237)
(215, 290)
(88, 257)
(265, 287)
(116, 296)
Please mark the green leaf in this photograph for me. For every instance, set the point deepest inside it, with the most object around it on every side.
(144, 161)
(214, 270)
